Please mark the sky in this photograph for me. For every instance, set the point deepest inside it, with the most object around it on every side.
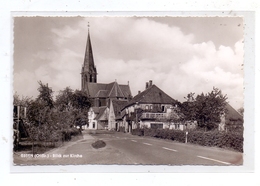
(179, 54)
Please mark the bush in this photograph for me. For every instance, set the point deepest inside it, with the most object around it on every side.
(218, 139)
(138, 132)
(66, 134)
(98, 144)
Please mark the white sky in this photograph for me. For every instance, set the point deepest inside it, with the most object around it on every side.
(180, 55)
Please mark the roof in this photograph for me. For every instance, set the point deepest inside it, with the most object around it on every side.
(152, 95)
(232, 114)
(88, 59)
(111, 90)
(95, 110)
(117, 106)
(101, 110)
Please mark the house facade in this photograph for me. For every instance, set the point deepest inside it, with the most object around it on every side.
(151, 108)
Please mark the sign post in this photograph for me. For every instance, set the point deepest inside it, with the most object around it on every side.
(186, 139)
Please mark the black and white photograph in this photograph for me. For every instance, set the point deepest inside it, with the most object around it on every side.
(134, 90)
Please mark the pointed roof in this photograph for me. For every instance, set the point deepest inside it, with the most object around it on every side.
(111, 90)
(152, 95)
(116, 91)
(88, 59)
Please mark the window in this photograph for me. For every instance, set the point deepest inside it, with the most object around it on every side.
(146, 107)
(163, 108)
(94, 126)
(151, 107)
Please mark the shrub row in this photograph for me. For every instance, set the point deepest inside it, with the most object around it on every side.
(209, 138)
(217, 139)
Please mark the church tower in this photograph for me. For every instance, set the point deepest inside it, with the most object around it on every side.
(89, 71)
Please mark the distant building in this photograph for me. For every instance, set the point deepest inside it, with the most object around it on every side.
(233, 119)
(100, 94)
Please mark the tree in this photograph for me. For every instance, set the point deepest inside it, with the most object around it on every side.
(45, 95)
(205, 108)
(74, 106)
(81, 103)
(188, 108)
(241, 111)
(64, 100)
(42, 117)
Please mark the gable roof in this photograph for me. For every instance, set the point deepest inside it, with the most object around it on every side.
(152, 95)
(117, 106)
(111, 90)
(95, 109)
(101, 111)
(232, 114)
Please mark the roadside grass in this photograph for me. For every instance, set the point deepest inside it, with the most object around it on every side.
(42, 146)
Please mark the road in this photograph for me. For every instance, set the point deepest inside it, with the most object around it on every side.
(125, 149)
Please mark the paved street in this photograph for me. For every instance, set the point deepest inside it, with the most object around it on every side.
(125, 148)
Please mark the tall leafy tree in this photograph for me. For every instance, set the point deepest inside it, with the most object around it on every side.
(205, 108)
(81, 103)
(74, 106)
(42, 117)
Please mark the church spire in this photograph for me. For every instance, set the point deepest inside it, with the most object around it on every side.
(89, 72)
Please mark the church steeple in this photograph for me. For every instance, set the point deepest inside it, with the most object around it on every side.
(89, 71)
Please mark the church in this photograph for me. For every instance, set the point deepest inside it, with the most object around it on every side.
(102, 95)
(113, 105)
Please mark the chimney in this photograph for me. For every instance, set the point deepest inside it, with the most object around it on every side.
(146, 85)
(150, 83)
(139, 91)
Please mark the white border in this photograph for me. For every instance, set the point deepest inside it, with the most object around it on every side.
(249, 85)
(153, 6)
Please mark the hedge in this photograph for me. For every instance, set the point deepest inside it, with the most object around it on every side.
(215, 138)
(66, 134)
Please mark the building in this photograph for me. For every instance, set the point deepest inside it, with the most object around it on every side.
(233, 119)
(151, 108)
(115, 117)
(100, 94)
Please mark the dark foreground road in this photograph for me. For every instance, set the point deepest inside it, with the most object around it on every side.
(125, 148)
